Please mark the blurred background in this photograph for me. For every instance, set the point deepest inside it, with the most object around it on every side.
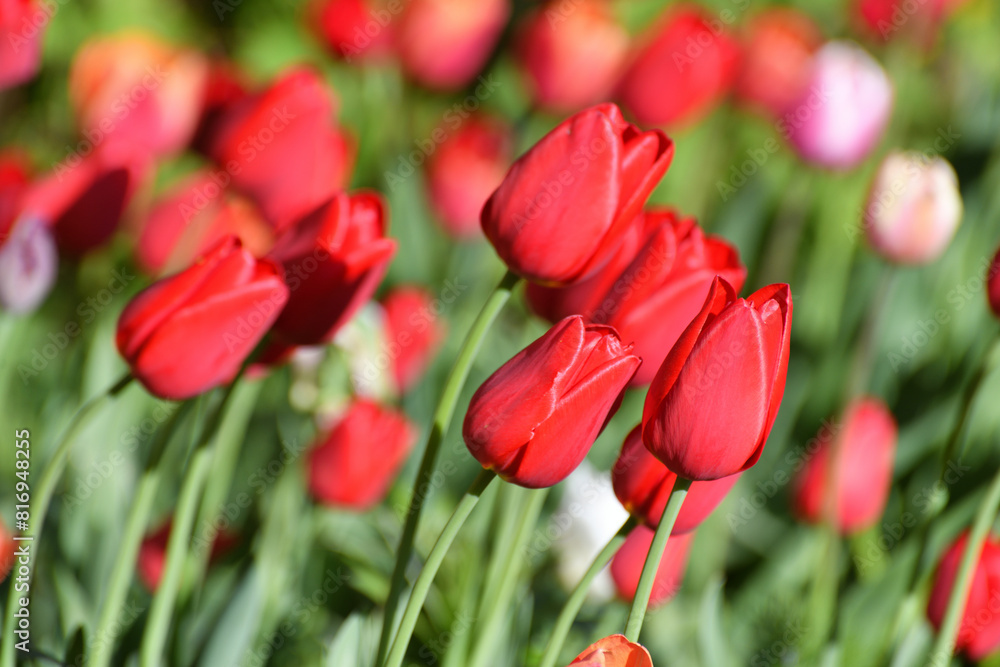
(429, 107)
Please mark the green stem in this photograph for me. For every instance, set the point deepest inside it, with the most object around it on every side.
(434, 559)
(442, 418)
(945, 644)
(41, 499)
(158, 625)
(491, 631)
(640, 602)
(572, 607)
(135, 526)
(951, 449)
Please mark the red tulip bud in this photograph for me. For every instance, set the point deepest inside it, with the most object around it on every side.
(354, 465)
(566, 205)
(192, 331)
(993, 284)
(134, 89)
(979, 632)
(353, 29)
(613, 651)
(652, 298)
(413, 331)
(627, 564)
(533, 421)
(281, 147)
(444, 43)
(464, 171)
(152, 558)
(780, 43)
(15, 173)
(643, 486)
(334, 259)
(864, 449)
(22, 27)
(711, 405)
(688, 65)
(572, 54)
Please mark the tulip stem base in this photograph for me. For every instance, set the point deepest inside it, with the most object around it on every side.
(945, 644)
(434, 559)
(575, 601)
(42, 497)
(442, 418)
(640, 602)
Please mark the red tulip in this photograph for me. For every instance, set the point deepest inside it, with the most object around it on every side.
(653, 295)
(152, 558)
(711, 405)
(84, 199)
(225, 88)
(979, 632)
(859, 487)
(689, 64)
(355, 464)
(778, 52)
(334, 259)
(465, 170)
(533, 421)
(192, 218)
(354, 28)
(281, 147)
(993, 284)
(627, 564)
(444, 43)
(566, 205)
(22, 26)
(572, 53)
(190, 332)
(15, 173)
(414, 332)
(643, 486)
(613, 651)
(134, 89)
(7, 548)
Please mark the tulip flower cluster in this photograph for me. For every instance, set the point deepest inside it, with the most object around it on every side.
(323, 439)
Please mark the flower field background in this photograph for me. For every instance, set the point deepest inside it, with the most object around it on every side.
(848, 150)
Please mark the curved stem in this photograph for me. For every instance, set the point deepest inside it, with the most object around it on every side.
(945, 644)
(640, 602)
(135, 526)
(42, 497)
(434, 559)
(579, 594)
(155, 636)
(951, 449)
(442, 418)
(491, 629)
